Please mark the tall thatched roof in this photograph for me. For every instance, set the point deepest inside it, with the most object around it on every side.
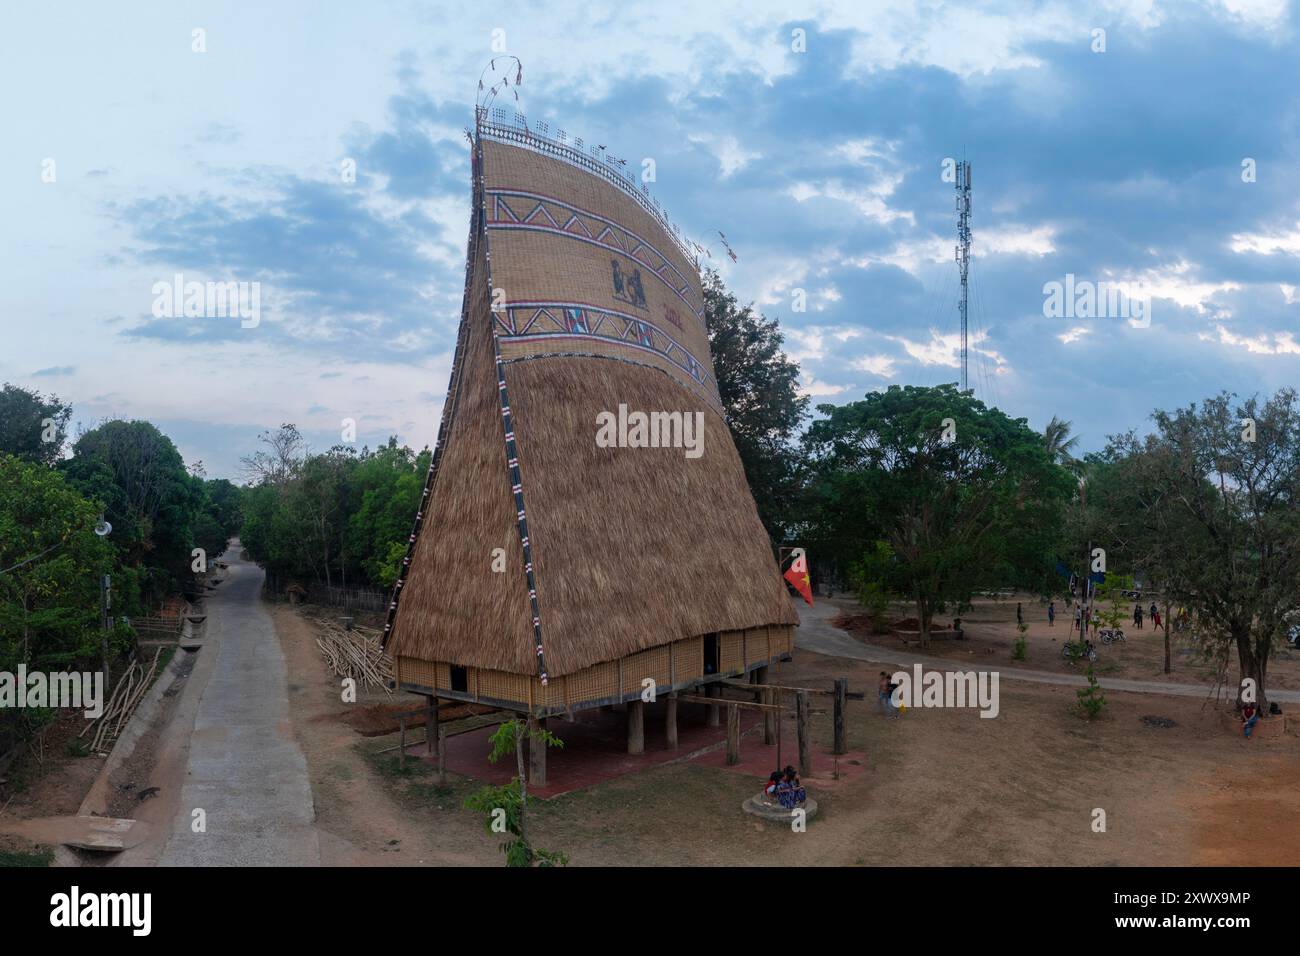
(607, 550)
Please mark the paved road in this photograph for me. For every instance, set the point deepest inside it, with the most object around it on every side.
(816, 634)
(244, 768)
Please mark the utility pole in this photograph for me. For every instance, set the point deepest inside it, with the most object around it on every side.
(963, 260)
(105, 600)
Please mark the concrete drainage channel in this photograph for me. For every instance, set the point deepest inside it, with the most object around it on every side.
(152, 714)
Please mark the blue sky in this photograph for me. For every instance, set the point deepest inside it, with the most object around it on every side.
(822, 167)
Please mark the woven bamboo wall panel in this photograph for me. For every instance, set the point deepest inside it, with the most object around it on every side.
(411, 670)
(731, 650)
(652, 663)
(593, 683)
(500, 685)
(688, 659)
(601, 681)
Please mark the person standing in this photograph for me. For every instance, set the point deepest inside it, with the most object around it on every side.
(1078, 620)
(1051, 614)
(882, 693)
(1137, 616)
(1155, 617)
(1020, 614)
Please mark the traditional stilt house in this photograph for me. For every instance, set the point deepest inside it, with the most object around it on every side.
(563, 554)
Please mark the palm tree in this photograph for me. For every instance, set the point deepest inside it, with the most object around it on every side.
(1060, 443)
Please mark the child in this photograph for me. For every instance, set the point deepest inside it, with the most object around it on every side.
(773, 781)
(789, 791)
(1051, 614)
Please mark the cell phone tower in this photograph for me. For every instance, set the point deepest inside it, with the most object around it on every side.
(963, 258)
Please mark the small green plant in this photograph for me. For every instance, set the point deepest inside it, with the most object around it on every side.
(506, 807)
(1018, 651)
(1091, 699)
(42, 857)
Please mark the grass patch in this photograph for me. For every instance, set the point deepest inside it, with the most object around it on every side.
(41, 857)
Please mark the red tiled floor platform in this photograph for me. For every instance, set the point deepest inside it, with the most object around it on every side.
(595, 750)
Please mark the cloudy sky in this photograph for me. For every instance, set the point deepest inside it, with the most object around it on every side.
(1159, 157)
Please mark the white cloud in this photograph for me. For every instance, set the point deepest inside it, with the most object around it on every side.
(871, 201)
(727, 150)
(1176, 283)
(814, 388)
(945, 350)
(1276, 343)
(881, 365)
(1074, 334)
(1265, 244)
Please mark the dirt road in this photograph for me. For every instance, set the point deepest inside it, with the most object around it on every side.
(817, 634)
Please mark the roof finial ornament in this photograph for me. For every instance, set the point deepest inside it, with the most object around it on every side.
(500, 80)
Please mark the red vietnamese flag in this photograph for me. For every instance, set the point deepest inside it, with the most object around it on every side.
(798, 575)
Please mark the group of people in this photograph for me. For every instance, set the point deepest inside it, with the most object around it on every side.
(1137, 615)
(785, 788)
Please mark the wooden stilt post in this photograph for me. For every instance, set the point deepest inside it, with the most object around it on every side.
(536, 753)
(670, 721)
(442, 757)
(733, 735)
(635, 727)
(769, 716)
(711, 713)
(841, 700)
(430, 725)
(801, 718)
(401, 749)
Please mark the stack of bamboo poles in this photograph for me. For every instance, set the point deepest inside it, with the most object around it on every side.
(121, 704)
(355, 653)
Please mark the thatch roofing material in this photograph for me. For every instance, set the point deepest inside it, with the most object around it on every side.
(632, 548)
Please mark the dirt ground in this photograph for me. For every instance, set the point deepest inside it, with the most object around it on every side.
(943, 787)
(989, 630)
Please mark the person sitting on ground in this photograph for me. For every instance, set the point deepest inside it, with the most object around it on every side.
(789, 791)
(1249, 718)
(773, 781)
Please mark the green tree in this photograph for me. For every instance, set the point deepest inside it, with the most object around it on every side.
(32, 427)
(759, 387)
(51, 562)
(389, 483)
(507, 806)
(147, 494)
(1216, 492)
(964, 497)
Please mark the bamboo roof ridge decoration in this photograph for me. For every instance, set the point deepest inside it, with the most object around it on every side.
(580, 298)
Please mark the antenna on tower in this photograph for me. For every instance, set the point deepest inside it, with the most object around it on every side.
(963, 259)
